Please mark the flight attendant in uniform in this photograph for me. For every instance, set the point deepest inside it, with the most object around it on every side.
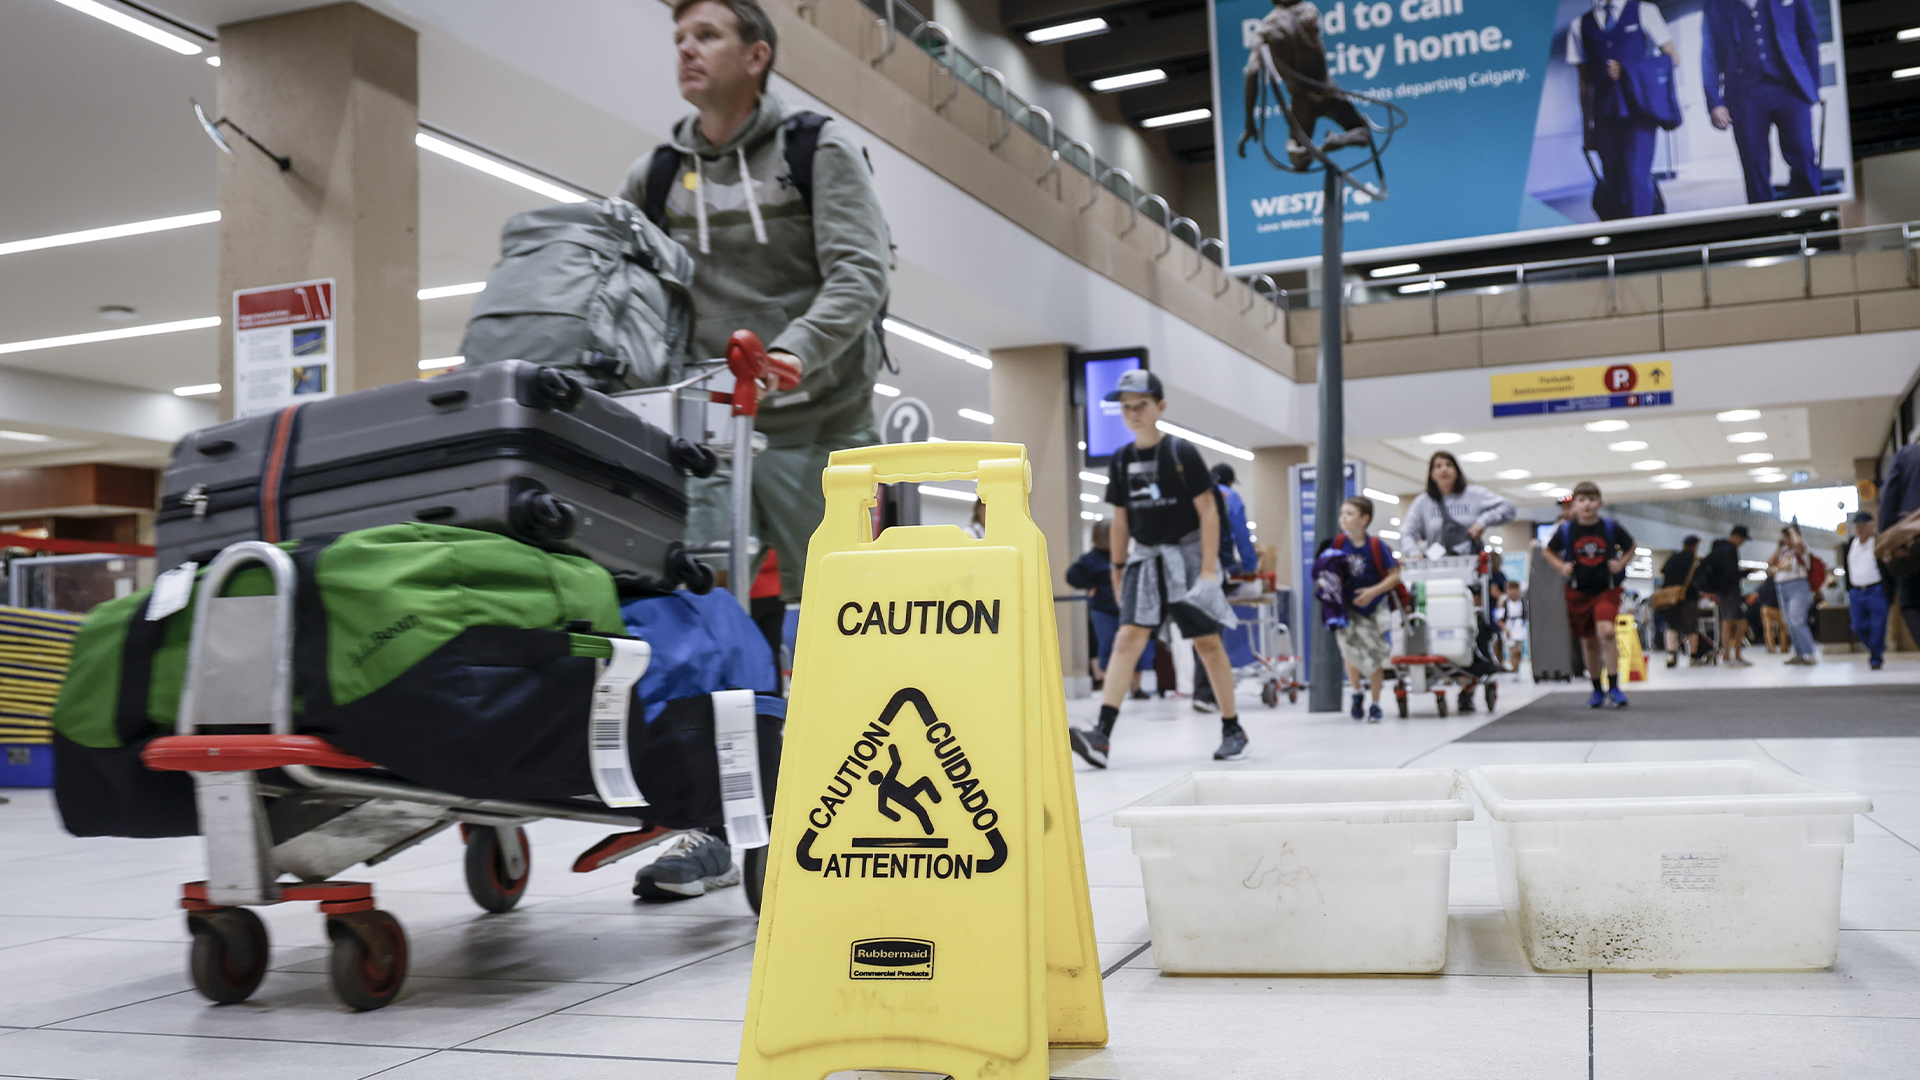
(1612, 45)
(1760, 63)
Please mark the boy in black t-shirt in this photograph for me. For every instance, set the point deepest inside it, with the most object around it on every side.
(1166, 561)
(1592, 552)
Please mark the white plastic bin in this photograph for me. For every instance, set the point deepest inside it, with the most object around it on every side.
(1681, 866)
(1266, 873)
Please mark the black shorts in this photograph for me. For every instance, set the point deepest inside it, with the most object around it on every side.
(1683, 617)
(1729, 606)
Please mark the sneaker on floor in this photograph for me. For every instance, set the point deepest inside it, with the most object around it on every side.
(1373, 713)
(1141, 695)
(1359, 706)
(1091, 744)
(1206, 705)
(1796, 659)
(692, 863)
(1597, 699)
(1673, 660)
(1874, 664)
(1233, 744)
(1739, 661)
(1616, 699)
(1463, 703)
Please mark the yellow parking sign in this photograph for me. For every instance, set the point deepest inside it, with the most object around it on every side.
(1581, 389)
(926, 902)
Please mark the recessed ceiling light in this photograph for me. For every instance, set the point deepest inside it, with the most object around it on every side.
(197, 390)
(1560, 492)
(1754, 458)
(1544, 485)
(1765, 471)
(465, 288)
(110, 232)
(1676, 485)
(1381, 496)
(1175, 119)
(24, 436)
(1443, 438)
(1602, 241)
(1067, 31)
(937, 343)
(1747, 437)
(1207, 441)
(976, 416)
(1085, 515)
(500, 169)
(1478, 456)
(1664, 477)
(1128, 81)
(134, 26)
(1911, 33)
(1089, 497)
(1906, 73)
(1606, 425)
(1422, 286)
(886, 391)
(957, 496)
(110, 335)
(1395, 270)
(1095, 478)
(1514, 474)
(441, 363)
(1649, 465)
(213, 61)
(1737, 416)
(1627, 447)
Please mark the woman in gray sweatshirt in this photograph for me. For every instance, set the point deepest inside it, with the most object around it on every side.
(1471, 507)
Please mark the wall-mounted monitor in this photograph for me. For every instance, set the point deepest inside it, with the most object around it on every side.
(1096, 374)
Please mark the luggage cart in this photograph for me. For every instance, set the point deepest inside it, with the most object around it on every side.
(274, 803)
(1274, 662)
(1421, 669)
(685, 408)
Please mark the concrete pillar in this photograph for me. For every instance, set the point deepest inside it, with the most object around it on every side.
(336, 89)
(1031, 405)
(1263, 486)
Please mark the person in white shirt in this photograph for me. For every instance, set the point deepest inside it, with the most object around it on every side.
(1791, 563)
(1513, 624)
(1867, 585)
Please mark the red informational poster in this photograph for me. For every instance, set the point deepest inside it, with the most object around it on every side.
(283, 345)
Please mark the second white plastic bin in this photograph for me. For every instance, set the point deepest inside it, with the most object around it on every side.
(1267, 873)
(1686, 866)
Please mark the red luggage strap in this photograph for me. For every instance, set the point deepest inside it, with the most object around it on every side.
(243, 753)
(273, 473)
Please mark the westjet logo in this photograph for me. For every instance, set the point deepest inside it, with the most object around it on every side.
(1305, 202)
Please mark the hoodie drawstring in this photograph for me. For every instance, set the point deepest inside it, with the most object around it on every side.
(753, 199)
(700, 205)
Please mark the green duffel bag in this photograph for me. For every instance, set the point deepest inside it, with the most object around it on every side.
(457, 659)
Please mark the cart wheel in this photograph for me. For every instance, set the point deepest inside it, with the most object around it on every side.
(1270, 694)
(1293, 695)
(1493, 694)
(229, 953)
(753, 875)
(369, 961)
(487, 879)
(1401, 700)
(1440, 703)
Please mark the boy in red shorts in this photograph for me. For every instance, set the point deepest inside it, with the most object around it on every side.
(1592, 552)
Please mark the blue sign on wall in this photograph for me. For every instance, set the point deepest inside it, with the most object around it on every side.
(1106, 432)
(1495, 142)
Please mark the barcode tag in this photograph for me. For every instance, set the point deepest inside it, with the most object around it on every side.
(171, 591)
(736, 743)
(607, 723)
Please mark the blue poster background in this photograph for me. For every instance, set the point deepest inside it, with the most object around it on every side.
(1459, 167)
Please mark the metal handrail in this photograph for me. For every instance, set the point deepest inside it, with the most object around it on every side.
(1198, 236)
(1273, 294)
(1006, 115)
(1166, 215)
(1093, 185)
(946, 42)
(1051, 141)
(886, 12)
(1133, 192)
(1225, 281)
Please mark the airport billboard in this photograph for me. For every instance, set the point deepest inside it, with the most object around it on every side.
(1509, 140)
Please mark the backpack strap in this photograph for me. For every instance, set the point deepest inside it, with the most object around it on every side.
(1373, 552)
(803, 140)
(660, 173)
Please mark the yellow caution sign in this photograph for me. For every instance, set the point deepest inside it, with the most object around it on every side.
(1633, 661)
(926, 902)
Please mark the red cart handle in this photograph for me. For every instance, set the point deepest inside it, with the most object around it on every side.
(244, 753)
(749, 362)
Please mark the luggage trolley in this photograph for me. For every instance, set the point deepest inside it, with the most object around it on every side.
(1441, 638)
(273, 802)
(1274, 662)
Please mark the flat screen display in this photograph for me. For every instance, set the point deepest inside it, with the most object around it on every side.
(1106, 432)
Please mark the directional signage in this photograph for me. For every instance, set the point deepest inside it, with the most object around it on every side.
(1562, 390)
(906, 420)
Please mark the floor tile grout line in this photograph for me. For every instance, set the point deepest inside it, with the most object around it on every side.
(238, 1038)
(1589, 1024)
(591, 1057)
(401, 1064)
(1891, 833)
(1124, 961)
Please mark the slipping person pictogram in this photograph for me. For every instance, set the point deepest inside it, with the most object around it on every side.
(899, 794)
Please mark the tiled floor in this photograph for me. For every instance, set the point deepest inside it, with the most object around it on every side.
(582, 983)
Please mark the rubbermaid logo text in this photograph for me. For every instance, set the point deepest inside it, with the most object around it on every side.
(891, 958)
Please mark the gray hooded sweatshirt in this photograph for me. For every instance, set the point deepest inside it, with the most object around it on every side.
(1422, 522)
(809, 285)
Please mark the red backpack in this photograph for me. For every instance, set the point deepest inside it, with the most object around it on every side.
(1400, 596)
(1816, 572)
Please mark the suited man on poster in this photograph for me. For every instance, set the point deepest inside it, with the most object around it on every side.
(1624, 53)
(1760, 62)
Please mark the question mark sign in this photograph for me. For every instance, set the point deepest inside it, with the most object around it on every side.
(909, 423)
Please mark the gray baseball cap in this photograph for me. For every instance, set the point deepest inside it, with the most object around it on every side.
(1137, 381)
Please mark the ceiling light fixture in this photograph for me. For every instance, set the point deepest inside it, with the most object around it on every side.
(886, 391)
(1176, 119)
(976, 416)
(1544, 485)
(1388, 534)
(24, 436)
(1380, 496)
(936, 343)
(467, 288)
(441, 363)
(196, 390)
(1747, 437)
(1207, 441)
(1067, 31)
(110, 335)
(1422, 286)
(1443, 438)
(110, 232)
(1627, 447)
(1664, 477)
(1478, 456)
(1606, 425)
(1089, 497)
(1765, 470)
(1560, 492)
(1911, 33)
(1754, 458)
(949, 493)
(1085, 515)
(1094, 477)
(1737, 416)
(1906, 73)
(213, 61)
(1514, 474)
(1676, 485)
(134, 26)
(499, 169)
(1395, 270)
(1649, 465)
(1602, 241)
(1128, 81)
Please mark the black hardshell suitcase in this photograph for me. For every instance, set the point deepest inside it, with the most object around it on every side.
(510, 447)
(1549, 639)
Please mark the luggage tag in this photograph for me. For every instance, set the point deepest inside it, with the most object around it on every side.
(736, 743)
(607, 723)
(171, 591)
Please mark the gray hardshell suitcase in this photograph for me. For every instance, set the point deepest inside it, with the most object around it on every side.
(511, 447)
(1549, 638)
